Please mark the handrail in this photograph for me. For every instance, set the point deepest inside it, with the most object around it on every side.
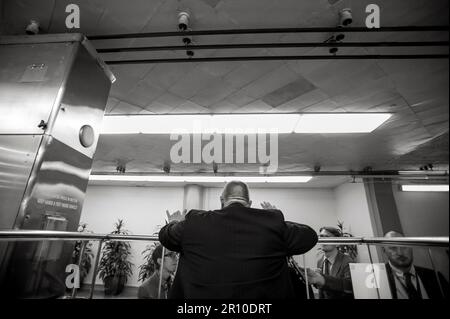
(32, 235)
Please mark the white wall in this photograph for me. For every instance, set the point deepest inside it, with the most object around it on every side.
(352, 209)
(143, 210)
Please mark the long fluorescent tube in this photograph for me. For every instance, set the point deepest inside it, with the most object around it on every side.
(340, 122)
(244, 123)
(424, 188)
(200, 123)
(200, 179)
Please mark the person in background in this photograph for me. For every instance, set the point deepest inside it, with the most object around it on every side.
(332, 277)
(150, 288)
(408, 281)
(236, 252)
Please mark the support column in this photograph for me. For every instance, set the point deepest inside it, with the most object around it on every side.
(193, 197)
(382, 206)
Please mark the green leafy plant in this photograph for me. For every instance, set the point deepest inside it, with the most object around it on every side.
(148, 267)
(88, 255)
(350, 250)
(114, 267)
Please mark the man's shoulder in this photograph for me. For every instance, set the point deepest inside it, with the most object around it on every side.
(346, 259)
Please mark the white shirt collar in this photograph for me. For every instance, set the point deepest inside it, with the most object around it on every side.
(332, 258)
(400, 273)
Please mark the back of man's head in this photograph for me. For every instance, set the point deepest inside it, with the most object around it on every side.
(393, 234)
(235, 191)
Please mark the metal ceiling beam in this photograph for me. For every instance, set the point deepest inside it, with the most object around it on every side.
(268, 31)
(428, 175)
(273, 45)
(285, 57)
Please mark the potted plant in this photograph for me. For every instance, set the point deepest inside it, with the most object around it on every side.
(88, 255)
(148, 267)
(114, 267)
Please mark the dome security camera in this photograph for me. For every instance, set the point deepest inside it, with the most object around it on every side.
(183, 21)
(32, 28)
(345, 17)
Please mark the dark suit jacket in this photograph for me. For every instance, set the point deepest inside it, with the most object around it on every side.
(338, 285)
(235, 252)
(429, 281)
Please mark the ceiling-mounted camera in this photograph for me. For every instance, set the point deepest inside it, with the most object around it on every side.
(183, 21)
(345, 17)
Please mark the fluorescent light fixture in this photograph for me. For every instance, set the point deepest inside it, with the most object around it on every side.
(340, 122)
(200, 123)
(424, 188)
(200, 179)
(244, 123)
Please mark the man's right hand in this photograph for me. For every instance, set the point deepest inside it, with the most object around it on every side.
(176, 216)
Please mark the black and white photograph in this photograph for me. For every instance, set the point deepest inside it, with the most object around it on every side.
(222, 157)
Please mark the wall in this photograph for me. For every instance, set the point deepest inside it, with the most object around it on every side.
(142, 208)
(352, 209)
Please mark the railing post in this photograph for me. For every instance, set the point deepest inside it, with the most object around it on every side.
(374, 272)
(435, 272)
(80, 259)
(306, 276)
(94, 275)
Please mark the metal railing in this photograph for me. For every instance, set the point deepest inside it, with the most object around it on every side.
(40, 235)
(33, 235)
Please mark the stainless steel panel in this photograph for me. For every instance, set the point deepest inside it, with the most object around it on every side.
(64, 85)
(56, 186)
(31, 76)
(83, 102)
(17, 154)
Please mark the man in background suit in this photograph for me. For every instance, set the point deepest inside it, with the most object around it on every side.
(408, 281)
(234, 252)
(332, 277)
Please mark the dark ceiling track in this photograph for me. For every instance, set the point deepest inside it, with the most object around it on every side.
(427, 175)
(275, 45)
(266, 31)
(286, 57)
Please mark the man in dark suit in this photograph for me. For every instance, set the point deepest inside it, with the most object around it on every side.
(408, 281)
(235, 252)
(332, 277)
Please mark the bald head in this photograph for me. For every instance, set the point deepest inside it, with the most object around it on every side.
(235, 191)
(393, 234)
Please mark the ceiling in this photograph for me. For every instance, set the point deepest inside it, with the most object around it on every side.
(416, 91)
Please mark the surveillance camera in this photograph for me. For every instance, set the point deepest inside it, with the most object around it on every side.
(345, 17)
(187, 40)
(183, 21)
(340, 37)
(32, 28)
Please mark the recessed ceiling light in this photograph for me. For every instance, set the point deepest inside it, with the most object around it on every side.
(243, 123)
(424, 188)
(340, 122)
(200, 179)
